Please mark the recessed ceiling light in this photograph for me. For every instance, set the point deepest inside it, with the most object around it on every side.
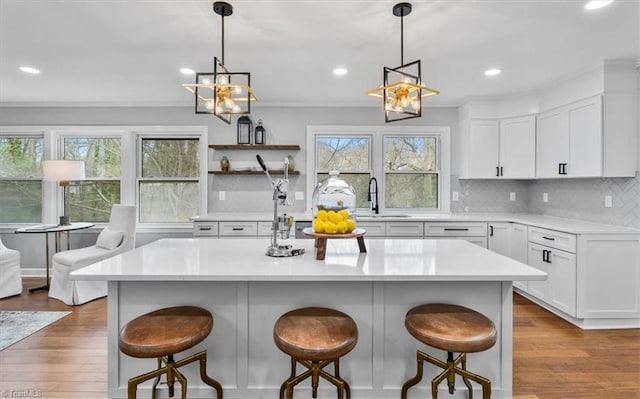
(493, 72)
(340, 71)
(187, 71)
(596, 4)
(30, 70)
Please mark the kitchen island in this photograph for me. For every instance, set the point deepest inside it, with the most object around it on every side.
(247, 291)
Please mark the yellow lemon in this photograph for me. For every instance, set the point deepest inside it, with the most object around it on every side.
(322, 215)
(351, 225)
(330, 228)
(334, 217)
(342, 227)
(344, 214)
(318, 226)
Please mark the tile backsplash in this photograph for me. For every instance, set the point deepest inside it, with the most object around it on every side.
(582, 199)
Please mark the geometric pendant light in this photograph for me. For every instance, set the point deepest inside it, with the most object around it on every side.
(402, 90)
(222, 93)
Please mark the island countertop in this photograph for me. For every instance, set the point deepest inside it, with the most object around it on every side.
(244, 259)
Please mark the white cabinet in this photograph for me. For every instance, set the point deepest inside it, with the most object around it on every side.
(494, 148)
(238, 229)
(405, 229)
(570, 140)
(373, 229)
(549, 252)
(499, 238)
(205, 229)
(517, 147)
(518, 241)
(481, 139)
(474, 232)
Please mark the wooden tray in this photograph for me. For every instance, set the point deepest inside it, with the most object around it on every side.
(321, 240)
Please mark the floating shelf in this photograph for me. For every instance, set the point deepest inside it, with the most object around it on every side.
(254, 146)
(251, 172)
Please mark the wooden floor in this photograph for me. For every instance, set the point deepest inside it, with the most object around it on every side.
(552, 358)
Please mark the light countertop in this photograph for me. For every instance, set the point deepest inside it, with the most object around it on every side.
(548, 222)
(244, 259)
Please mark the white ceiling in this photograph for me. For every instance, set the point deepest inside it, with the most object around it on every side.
(128, 52)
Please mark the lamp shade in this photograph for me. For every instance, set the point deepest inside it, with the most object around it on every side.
(61, 170)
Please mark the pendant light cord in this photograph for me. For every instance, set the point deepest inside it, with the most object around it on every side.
(223, 38)
(401, 38)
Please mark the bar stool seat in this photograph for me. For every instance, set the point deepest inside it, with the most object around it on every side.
(451, 328)
(163, 333)
(315, 337)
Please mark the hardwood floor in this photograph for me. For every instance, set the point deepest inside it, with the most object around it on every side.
(552, 358)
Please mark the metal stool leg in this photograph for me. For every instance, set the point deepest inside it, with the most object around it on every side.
(465, 379)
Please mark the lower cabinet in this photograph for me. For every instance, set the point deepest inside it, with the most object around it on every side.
(518, 244)
(474, 232)
(559, 289)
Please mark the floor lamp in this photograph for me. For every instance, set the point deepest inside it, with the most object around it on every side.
(63, 171)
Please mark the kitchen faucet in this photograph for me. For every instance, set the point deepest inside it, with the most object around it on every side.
(374, 203)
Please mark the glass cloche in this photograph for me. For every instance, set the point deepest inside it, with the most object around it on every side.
(334, 194)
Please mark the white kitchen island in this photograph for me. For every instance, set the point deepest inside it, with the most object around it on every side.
(247, 291)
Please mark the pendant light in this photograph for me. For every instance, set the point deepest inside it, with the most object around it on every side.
(402, 90)
(222, 93)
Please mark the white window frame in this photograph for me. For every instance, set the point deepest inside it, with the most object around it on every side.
(52, 204)
(377, 133)
(170, 132)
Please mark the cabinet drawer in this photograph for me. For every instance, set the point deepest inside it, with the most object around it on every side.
(553, 239)
(405, 229)
(453, 229)
(373, 229)
(238, 229)
(264, 229)
(205, 229)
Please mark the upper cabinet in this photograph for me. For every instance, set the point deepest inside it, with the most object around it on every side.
(494, 148)
(570, 140)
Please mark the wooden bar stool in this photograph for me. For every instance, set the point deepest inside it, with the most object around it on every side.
(451, 328)
(161, 334)
(315, 337)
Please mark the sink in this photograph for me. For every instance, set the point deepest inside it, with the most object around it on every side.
(383, 216)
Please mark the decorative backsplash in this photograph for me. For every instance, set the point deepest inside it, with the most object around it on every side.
(582, 199)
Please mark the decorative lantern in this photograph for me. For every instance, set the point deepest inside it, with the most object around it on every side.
(259, 137)
(245, 127)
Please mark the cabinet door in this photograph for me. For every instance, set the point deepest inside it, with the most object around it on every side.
(483, 148)
(552, 141)
(499, 240)
(585, 138)
(539, 289)
(563, 281)
(518, 147)
(518, 241)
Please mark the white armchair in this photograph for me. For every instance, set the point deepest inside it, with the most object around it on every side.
(118, 237)
(10, 273)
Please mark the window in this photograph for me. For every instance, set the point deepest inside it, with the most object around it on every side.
(411, 164)
(351, 155)
(21, 178)
(169, 179)
(410, 172)
(91, 199)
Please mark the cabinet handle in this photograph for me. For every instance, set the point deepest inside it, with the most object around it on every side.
(455, 229)
(559, 168)
(490, 231)
(497, 171)
(549, 238)
(237, 228)
(544, 255)
(204, 228)
(501, 171)
(548, 256)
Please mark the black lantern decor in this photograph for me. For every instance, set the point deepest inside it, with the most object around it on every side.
(259, 136)
(245, 127)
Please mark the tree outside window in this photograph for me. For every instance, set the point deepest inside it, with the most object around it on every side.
(169, 183)
(91, 200)
(21, 179)
(410, 172)
(351, 156)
